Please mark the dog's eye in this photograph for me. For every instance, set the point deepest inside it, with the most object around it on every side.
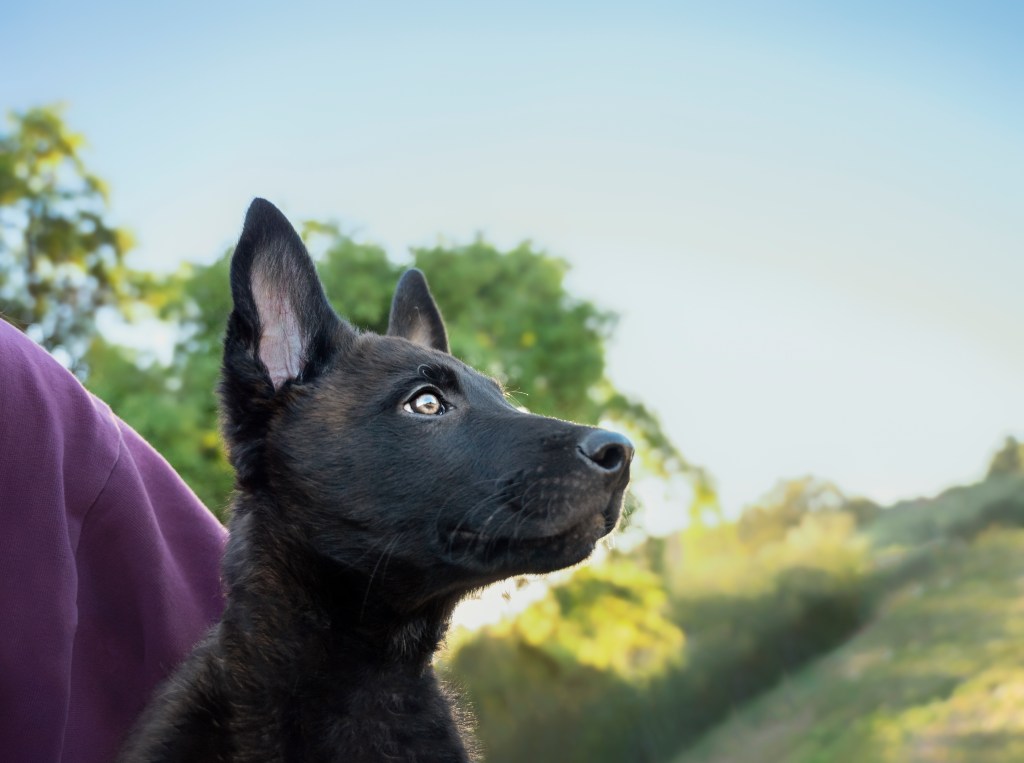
(426, 404)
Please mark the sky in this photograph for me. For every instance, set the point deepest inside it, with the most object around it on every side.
(808, 216)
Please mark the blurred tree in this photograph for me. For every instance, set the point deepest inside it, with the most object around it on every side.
(786, 505)
(1008, 460)
(562, 681)
(60, 261)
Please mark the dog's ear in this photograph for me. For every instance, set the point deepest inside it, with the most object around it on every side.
(414, 314)
(282, 327)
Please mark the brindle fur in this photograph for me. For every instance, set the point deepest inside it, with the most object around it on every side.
(358, 524)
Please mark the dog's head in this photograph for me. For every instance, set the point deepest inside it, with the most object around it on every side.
(385, 454)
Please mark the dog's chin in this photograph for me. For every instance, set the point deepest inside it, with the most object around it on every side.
(535, 553)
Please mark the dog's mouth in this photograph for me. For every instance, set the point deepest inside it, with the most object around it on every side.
(543, 551)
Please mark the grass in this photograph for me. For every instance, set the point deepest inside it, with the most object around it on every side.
(936, 675)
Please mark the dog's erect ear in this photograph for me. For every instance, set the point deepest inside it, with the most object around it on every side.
(282, 326)
(414, 314)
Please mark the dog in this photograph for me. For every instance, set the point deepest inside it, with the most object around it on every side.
(378, 481)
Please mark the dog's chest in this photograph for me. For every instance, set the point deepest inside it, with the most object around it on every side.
(390, 717)
(262, 711)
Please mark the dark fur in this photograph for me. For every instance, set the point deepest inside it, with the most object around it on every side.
(359, 524)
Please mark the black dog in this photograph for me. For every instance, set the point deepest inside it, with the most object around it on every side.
(379, 480)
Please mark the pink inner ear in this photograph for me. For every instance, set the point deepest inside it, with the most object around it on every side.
(419, 333)
(280, 338)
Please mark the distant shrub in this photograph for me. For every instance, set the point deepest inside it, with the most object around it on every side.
(1008, 460)
(1004, 507)
(785, 507)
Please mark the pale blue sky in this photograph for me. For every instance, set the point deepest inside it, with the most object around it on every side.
(810, 215)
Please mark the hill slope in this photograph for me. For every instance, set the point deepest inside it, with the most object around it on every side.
(938, 672)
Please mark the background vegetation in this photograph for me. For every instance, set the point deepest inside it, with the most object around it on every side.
(816, 626)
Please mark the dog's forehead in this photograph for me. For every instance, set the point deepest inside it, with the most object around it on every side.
(399, 360)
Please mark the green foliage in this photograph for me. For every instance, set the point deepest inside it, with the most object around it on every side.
(60, 261)
(791, 501)
(1008, 460)
(175, 415)
(552, 684)
(358, 277)
(960, 512)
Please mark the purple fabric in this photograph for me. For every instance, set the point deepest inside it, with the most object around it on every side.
(109, 565)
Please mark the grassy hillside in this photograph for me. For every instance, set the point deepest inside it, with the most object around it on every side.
(937, 674)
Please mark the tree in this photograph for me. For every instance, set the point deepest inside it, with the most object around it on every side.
(60, 261)
(568, 679)
(1008, 460)
(784, 508)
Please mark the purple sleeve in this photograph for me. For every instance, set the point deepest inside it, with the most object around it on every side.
(109, 565)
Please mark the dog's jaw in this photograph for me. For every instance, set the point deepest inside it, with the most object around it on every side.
(496, 557)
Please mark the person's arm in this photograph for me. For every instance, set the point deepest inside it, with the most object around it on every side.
(109, 565)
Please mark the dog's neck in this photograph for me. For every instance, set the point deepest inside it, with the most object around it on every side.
(301, 633)
(281, 592)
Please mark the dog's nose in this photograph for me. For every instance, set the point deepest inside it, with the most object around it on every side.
(608, 451)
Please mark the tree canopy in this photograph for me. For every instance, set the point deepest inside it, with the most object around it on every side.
(1009, 459)
(60, 260)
